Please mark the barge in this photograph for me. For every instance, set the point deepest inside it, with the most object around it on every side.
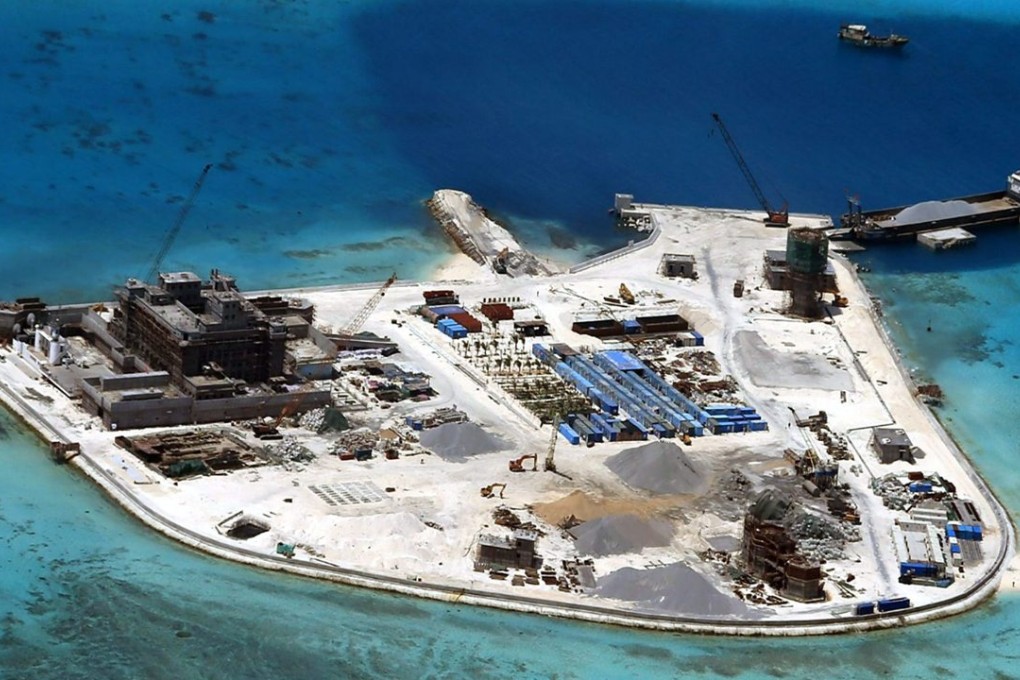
(994, 208)
(858, 34)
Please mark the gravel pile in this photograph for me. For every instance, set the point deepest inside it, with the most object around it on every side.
(929, 211)
(457, 441)
(674, 588)
(620, 534)
(660, 467)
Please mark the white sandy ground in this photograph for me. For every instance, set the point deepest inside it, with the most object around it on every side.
(391, 537)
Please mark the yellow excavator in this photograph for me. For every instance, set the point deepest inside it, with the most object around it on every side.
(517, 465)
(490, 490)
(626, 295)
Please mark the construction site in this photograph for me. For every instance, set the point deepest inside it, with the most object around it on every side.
(707, 424)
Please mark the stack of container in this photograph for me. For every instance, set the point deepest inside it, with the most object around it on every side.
(440, 297)
(497, 311)
(966, 532)
(451, 328)
(469, 322)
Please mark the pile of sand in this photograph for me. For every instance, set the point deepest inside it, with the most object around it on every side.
(457, 441)
(929, 211)
(674, 588)
(660, 467)
(620, 534)
(584, 508)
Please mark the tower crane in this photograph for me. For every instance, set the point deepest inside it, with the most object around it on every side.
(171, 235)
(776, 218)
(355, 324)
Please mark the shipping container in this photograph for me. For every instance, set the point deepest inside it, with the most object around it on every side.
(497, 311)
(893, 604)
(920, 487)
(864, 608)
(569, 434)
(470, 323)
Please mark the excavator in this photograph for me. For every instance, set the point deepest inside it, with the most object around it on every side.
(272, 430)
(626, 295)
(517, 465)
(490, 490)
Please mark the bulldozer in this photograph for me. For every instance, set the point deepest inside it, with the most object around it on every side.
(517, 465)
(490, 490)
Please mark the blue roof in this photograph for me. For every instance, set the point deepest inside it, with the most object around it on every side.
(624, 361)
(631, 323)
(446, 310)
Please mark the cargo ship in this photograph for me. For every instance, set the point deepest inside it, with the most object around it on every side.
(858, 34)
(995, 208)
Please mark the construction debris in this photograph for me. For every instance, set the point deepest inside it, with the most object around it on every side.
(191, 452)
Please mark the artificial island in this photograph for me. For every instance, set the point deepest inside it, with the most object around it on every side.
(706, 430)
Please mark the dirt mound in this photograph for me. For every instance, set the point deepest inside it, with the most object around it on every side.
(457, 441)
(659, 467)
(585, 508)
(620, 534)
(674, 588)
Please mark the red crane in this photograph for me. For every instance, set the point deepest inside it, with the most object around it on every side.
(777, 218)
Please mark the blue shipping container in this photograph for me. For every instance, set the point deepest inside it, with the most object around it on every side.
(893, 604)
(569, 434)
(864, 608)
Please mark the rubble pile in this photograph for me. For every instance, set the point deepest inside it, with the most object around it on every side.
(891, 490)
(289, 450)
(313, 420)
(818, 538)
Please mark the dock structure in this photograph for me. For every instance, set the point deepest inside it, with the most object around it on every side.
(944, 239)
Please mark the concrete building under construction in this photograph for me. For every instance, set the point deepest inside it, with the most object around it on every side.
(803, 270)
(770, 553)
(180, 352)
(189, 329)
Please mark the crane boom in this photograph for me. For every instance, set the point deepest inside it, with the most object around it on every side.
(171, 235)
(550, 463)
(781, 217)
(361, 317)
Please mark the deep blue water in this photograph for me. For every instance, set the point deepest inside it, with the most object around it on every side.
(329, 123)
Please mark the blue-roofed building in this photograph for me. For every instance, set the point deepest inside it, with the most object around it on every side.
(623, 361)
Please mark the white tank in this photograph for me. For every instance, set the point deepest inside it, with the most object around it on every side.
(55, 351)
(38, 337)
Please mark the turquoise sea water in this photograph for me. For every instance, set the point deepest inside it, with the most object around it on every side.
(328, 124)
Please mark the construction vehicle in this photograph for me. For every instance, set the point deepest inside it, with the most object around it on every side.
(518, 464)
(271, 430)
(773, 218)
(171, 235)
(499, 263)
(490, 490)
(550, 463)
(347, 333)
(626, 295)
